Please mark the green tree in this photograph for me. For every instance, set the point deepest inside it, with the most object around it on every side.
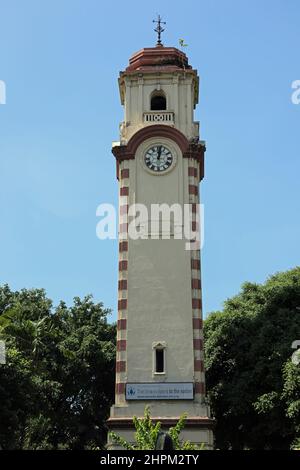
(252, 387)
(291, 398)
(58, 383)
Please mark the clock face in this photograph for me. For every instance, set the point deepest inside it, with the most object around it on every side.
(158, 158)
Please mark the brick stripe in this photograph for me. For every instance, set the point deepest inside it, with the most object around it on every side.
(120, 388)
(122, 304)
(124, 191)
(125, 173)
(193, 189)
(121, 363)
(200, 388)
(122, 324)
(196, 303)
(123, 246)
(192, 171)
(198, 365)
(194, 208)
(195, 264)
(198, 344)
(194, 226)
(121, 366)
(121, 345)
(196, 284)
(197, 323)
(123, 265)
(123, 284)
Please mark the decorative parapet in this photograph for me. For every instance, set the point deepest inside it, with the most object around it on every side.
(159, 117)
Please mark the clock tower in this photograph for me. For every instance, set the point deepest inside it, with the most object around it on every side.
(159, 162)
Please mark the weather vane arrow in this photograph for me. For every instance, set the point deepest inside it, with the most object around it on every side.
(159, 29)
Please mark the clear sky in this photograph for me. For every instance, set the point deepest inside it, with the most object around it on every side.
(60, 61)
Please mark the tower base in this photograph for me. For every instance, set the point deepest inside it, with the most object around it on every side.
(198, 426)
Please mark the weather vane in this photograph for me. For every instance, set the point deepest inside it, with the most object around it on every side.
(159, 29)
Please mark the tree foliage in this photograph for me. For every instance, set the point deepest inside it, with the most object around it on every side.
(254, 388)
(58, 381)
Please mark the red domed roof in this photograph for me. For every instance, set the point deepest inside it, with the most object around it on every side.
(158, 58)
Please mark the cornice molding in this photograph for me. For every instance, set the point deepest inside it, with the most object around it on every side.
(191, 422)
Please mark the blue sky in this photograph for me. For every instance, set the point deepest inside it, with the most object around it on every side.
(60, 61)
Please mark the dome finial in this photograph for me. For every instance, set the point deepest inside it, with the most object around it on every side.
(159, 29)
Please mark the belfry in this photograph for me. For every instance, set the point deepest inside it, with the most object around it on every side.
(159, 160)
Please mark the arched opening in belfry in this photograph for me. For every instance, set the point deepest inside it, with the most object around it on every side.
(158, 101)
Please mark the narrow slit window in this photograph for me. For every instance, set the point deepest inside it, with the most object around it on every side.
(159, 360)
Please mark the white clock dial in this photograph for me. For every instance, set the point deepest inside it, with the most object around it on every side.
(158, 158)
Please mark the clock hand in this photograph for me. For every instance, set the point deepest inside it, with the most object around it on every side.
(159, 152)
